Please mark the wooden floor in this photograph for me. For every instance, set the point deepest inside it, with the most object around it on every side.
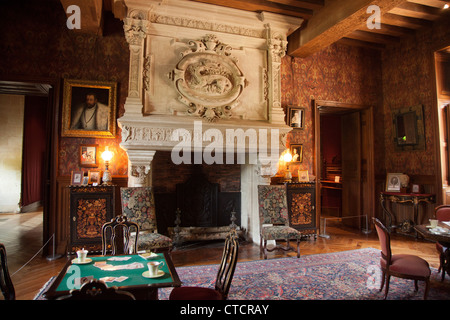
(22, 236)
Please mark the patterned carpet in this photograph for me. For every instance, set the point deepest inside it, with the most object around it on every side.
(348, 275)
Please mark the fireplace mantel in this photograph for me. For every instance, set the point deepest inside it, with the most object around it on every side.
(199, 74)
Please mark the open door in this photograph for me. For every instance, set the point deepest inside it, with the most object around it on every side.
(351, 167)
(357, 160)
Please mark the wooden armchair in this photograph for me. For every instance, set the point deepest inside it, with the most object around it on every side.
(442, 213)
(400, 265)
(6, 284)
(223, 278)
(273, 218)
(97, 290)
(116, 236)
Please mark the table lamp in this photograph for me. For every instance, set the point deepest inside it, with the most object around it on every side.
(287, 158)
(107, 156)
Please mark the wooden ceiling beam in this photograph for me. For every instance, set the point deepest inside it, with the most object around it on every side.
(360, 43)
(415, 10)
(372, 37)
(305, 4)
(91, 12)
(262, 5)
(405, 22)
(333, 22)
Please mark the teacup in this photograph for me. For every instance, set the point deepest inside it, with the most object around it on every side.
(154, 266)
(82, 255)
(433, 223)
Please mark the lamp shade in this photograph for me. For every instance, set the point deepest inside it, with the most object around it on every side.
(287, 157)
(107, 155)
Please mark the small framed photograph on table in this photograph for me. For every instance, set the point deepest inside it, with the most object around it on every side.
(76, 178)
(393, 182)
(94, 177)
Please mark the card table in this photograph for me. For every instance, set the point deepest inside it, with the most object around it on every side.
(141, 287)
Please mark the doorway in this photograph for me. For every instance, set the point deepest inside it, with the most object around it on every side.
(38, 116)
(344, 164)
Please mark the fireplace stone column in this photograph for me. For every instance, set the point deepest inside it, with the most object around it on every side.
(139, 167)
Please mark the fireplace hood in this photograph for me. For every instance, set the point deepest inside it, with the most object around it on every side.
(205, 77)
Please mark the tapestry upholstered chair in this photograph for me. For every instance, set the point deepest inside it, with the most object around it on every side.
(116, 236)
(273, 218)
(223, 278)
(442, 213)
(97, 290)
(6, 284)
(138, 204)
(400, 265)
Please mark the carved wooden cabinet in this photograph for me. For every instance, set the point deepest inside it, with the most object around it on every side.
(301, 202)
(90, 208)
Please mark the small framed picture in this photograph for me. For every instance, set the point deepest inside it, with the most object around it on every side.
(416, 188)
(297, 152)
(303, 176)
(296, 117)
(393, 182)
(76, 177)
(88, 155)
(94, 177)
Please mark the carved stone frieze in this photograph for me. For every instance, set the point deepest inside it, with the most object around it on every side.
(208, 79)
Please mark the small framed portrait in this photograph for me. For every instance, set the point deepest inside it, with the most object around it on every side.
(296, 117)
(89, 109)
(393, 182)
(88, 156)
(303, 176)
(297, 152)
(94, 177)
(76, 178)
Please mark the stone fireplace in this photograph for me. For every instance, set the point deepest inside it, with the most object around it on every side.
(204, 88)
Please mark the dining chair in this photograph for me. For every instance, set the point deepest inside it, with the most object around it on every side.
(138, 205)
(273, 218)
(442, 213)
(223, 278)
(116, 236)
(6, 284)
(404, 266)
(97, 290)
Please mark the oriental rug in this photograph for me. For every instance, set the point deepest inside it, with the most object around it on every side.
(347, 275)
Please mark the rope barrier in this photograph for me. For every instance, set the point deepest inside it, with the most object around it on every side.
(52, 237)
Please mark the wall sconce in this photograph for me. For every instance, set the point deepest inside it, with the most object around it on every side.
(287, 158)
(107, 156)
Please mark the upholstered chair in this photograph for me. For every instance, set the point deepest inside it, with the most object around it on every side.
(273, 218)
(138, 205)
(400, 265)
(442, 213)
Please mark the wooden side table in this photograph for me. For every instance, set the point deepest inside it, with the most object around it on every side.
(90, 208)
(301, 202)
(404, 198)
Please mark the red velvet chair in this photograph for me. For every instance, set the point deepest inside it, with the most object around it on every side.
(223, 279)
(400, 265)
(442, 213)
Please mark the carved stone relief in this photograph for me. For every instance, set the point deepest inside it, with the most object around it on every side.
(208, 79)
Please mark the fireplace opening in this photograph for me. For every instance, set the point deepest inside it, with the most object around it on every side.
(207, 198)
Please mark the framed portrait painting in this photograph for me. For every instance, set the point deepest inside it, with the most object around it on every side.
(89, 109)
(296, 117)
(297, 152)
(88, 155)
(393, 182)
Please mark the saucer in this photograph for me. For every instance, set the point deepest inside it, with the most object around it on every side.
(148, 255)
(147, 275)
(86, 261)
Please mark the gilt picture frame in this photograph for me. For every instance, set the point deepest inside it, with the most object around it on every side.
(88, 155)
(297, 153)
(89, 109)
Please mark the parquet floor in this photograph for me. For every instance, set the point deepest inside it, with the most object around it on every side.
(22, 236)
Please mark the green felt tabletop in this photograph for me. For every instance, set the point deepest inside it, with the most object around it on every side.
(135, 277)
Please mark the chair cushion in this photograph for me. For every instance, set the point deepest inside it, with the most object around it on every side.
(280, 232)
(194, 293)
(408, 265)
(150, 240)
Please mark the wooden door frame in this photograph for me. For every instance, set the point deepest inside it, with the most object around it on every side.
(49, 224)
(369, 195)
